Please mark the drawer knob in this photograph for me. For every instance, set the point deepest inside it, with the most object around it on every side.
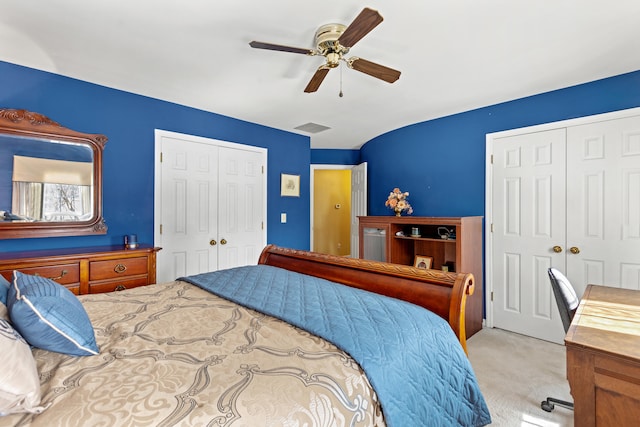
(120, 268)
(120, 288)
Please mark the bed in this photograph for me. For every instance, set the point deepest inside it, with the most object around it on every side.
(282, 343)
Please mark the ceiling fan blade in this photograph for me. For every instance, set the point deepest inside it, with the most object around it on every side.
(317, 79)
(378, 71)
(366, 21)
(281, 48)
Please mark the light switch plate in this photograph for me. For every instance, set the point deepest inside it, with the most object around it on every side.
(283, 217)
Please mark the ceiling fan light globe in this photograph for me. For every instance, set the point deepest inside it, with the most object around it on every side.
(333, 60)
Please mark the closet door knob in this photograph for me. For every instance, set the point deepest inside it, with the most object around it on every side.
(212, 242)
(557, 249)
(223, 242)
(574, 250)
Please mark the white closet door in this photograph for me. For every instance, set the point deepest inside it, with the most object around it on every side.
(241, 207)
(210, 205)
(528, 217)
(592, 218)
(603, 204)
(188, 208)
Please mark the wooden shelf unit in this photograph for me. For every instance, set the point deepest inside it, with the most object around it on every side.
(87, 270)
(462, 254)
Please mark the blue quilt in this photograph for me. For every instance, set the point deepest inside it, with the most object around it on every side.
(410, 355)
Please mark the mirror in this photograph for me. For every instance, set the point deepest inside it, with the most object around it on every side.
(50, 178)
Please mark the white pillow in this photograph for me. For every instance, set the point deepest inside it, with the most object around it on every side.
(19, 381)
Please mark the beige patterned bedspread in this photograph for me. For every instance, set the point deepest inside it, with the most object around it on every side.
(174, 354)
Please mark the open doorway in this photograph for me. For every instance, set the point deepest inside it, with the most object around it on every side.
(338, 197)
(332, 211)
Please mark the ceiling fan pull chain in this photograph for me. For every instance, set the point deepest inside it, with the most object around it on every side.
(340, 94)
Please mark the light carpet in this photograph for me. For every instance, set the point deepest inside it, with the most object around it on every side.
(516, 373)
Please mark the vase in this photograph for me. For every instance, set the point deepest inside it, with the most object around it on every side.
(398, 212)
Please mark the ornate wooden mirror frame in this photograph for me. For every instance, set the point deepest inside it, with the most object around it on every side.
(26, 125)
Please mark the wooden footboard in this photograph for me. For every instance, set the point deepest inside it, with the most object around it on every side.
(442, 293)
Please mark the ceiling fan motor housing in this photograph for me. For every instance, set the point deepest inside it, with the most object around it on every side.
(327, 43)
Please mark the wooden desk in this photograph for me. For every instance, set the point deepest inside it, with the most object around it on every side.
(603, 358)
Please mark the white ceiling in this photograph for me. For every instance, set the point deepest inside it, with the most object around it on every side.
(455, 55)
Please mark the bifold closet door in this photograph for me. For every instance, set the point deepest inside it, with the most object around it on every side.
(567, 198)
(212, 205)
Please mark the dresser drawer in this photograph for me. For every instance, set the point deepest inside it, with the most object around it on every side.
(114, 268)
(117, 285)
(65, 274)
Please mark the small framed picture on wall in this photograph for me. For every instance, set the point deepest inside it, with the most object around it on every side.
(422, 261)
(289, 185)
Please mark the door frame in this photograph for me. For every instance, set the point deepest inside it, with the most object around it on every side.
(489, 138)
(157, 184)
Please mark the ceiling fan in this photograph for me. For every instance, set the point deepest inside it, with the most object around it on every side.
(333, 41)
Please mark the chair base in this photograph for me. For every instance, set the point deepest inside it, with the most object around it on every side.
(551, 403)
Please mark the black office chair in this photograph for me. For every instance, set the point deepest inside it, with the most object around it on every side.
(567, 302)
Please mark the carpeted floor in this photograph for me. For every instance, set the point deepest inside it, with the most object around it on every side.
(516, 373)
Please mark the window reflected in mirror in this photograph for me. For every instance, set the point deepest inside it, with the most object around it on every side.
(46, 189)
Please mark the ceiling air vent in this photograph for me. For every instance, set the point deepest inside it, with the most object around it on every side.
(312, 128)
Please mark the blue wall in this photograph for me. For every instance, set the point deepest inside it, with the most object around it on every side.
(335, 157)
(129, 121)
(442, 162)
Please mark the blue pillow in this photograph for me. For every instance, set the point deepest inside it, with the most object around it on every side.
(49, 316)
(4, 289)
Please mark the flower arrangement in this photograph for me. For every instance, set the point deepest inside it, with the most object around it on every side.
(397, 201)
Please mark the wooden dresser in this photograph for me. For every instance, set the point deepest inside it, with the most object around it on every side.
(87, 270)
(603, 358)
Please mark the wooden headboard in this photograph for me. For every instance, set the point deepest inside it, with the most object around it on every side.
(442, 293)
